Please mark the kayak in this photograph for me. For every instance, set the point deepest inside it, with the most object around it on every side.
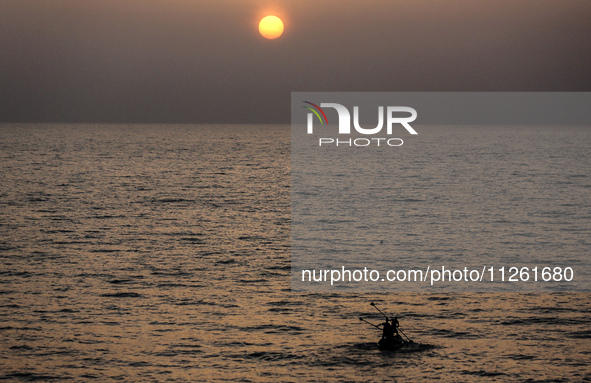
(392, 344)
(391, 335)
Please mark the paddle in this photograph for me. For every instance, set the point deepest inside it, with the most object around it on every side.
(376, 307)
(363, 320)
(406, 336)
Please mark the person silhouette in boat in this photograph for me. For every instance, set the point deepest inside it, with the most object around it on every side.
(389, 330)
(395, 324)
(390, 336)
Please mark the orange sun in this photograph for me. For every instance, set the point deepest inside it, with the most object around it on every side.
(271, 27)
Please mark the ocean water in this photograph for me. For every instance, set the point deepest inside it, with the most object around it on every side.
(162, 253)
(488, 198)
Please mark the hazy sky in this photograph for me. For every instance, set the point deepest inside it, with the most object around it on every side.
(194, 61)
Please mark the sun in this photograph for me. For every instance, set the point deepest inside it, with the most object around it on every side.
(271, 27)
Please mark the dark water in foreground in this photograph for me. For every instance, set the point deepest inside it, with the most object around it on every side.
(151, 253)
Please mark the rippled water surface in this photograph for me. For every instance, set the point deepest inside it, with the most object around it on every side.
(161, 253)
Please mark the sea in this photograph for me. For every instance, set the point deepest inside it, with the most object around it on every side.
(161, 253)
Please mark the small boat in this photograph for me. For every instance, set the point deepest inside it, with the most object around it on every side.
(392, 344)
(391, 338)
